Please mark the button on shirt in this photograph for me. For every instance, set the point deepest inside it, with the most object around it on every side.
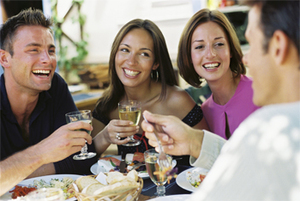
(48, 115)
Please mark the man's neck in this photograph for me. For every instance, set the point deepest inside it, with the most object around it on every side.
(22, 103)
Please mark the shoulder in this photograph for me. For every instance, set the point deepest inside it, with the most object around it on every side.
(179, 101)
(247, 81)
(179, 95)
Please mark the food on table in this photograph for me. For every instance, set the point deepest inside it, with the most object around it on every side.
(114, 162)
(117, 183)
(63, 184)
(20, 191)
(196, 176)
(110, 164)
(138, 156)
(84, 181)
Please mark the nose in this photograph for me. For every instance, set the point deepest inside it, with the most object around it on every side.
(132, 59)
(45, 57)
(210, 52)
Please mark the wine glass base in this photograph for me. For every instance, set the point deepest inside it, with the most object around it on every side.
(132, 143)
(84, 156)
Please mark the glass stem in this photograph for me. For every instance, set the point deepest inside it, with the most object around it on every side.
(84, 150)
(161, 190)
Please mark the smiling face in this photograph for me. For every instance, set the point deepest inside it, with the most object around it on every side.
(210, 51)
(34, 61)
(134, 60)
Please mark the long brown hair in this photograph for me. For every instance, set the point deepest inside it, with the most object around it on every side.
(184, 58)
(164, 73)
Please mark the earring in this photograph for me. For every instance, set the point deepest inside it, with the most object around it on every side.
(154, 75)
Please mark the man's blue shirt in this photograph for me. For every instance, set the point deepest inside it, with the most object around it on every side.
(48, 115)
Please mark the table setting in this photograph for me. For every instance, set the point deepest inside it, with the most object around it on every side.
(150, 175)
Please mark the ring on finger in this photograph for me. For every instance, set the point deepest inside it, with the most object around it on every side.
(118, 136)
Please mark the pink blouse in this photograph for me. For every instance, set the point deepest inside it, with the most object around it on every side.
(238, 108)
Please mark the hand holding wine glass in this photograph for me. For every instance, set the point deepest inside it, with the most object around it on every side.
(130, 110)
(86, 116)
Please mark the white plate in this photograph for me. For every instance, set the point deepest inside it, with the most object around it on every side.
(46, 178)
(95, 170)
(179, 197)
(183, 182)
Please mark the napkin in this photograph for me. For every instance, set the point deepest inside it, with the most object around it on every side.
(104, 166)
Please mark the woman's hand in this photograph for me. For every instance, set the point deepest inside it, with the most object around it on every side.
(118, 131)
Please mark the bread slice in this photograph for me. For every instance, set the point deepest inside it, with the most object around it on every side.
(117, 188)
(84, 181)
(114, 177)
(90, 189)
(133, 174)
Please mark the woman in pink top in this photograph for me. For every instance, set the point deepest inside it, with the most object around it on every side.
(209, 49)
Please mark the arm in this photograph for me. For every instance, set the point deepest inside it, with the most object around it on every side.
(180, 139)
(17, 167)
(107, 134)
(62, 143)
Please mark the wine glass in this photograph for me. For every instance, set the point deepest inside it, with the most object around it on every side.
(46, 194)
(86, 116)
(130, 110)
(155, 172)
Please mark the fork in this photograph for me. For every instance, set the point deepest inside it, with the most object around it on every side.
(162, 157)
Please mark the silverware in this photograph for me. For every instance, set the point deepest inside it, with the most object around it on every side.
(123, 163)
(135, 166)
(162, 157)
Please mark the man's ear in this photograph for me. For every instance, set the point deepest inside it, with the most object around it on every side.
(4, 58)
(280, 45)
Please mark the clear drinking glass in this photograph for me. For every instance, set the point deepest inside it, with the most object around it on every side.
(156, 174)
(130, 110)
(46, 194)
(86, 116)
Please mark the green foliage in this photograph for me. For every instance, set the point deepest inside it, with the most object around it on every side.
(64, 62)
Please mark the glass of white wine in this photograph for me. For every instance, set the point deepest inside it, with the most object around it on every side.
(156, 173)
(86, 116)
(130, 110)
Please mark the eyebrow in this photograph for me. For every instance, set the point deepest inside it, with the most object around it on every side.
(140, 49)
(217, 38)
(38, 45)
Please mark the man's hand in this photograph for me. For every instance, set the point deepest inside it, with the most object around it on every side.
(65, 141)
(176, 137)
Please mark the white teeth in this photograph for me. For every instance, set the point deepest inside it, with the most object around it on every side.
(41, 71)
(214, 65)
(130, 72)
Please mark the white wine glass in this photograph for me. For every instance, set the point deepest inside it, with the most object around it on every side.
(157, 175)
(86, 116)
(130, 110)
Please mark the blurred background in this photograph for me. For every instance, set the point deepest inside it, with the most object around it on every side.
(85, 30)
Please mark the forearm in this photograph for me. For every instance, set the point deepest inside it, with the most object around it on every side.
(46, 169)
(17, 167)
(100, 141)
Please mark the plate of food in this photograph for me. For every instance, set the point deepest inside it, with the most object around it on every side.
(190, 179)
(63, 181)
(112, 162)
